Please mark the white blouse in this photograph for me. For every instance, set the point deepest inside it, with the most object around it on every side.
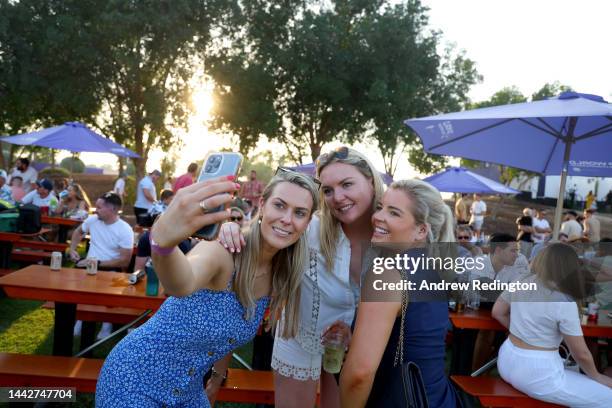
(326, 296)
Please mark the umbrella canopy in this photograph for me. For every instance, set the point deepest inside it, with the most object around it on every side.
(570, 134)
(73, 136)
(311, 170)
(461, 180)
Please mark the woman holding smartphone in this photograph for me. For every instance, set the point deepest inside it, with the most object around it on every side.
(217, 300)
(350, 187)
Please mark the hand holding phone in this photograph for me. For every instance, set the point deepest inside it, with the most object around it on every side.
(217, 165)
(185, 213)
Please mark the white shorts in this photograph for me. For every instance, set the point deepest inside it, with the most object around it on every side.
(476, 224)
(290, 360)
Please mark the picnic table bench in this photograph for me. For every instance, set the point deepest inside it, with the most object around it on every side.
(495, 392)
(26, 370)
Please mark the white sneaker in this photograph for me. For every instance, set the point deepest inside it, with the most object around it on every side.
(105, 331)
(77, 328)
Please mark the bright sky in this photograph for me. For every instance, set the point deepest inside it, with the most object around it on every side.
(514, 42)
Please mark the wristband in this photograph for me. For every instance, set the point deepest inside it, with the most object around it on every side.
(157, 249)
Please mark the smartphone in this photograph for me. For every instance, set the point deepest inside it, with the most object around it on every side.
(217, 165)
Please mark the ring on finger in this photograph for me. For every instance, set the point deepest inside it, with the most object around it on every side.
(204, 208)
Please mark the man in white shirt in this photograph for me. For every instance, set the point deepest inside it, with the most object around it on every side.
(571, 227)
(478, 210)
(119, 187)
(146, 194)
(111, 242)
(27, 173)
(504, 264)
(43, 196)
(541, 227)
(592, 226)
(112, 239)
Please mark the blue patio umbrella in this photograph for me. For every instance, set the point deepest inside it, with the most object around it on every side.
(461, 180)
(311, 170)
(569, 134)
(73, 136)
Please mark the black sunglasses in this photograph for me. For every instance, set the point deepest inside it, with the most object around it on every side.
(463, 237)
(283, 169)
(236, 218)
(339, 153)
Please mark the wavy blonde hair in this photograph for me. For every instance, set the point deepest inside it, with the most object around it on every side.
(329, 231)
(287, 265)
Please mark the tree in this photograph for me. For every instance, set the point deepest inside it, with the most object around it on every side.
(151, 50)
(305, 74)
(550, 89)
(42, 52)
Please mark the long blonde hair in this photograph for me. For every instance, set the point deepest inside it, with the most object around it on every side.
(287, 264)
(329, 231)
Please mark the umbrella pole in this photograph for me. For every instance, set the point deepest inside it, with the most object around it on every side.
(566, 156)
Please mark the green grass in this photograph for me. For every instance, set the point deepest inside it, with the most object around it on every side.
(26, 328)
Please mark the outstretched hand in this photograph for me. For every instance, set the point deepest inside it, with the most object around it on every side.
(186, 213)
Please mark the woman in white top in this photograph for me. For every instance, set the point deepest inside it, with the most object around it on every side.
(538, 321)
(350, 189)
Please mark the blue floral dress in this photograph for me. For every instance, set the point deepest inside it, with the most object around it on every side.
(163, 362)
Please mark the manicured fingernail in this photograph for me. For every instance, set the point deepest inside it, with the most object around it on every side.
(237, 185)
(232, 250)
(231, 177)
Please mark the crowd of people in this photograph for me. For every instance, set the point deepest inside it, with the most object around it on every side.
(296, 248)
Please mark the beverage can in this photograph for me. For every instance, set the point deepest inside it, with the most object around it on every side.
(56, 261)
(92, 265)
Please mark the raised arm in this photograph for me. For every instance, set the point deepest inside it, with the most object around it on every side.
(179, 274)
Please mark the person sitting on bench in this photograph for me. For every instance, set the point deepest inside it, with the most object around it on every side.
(111, 240)
(538, 321)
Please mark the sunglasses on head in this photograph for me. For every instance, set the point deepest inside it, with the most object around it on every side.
(282, 169)
(339, 153)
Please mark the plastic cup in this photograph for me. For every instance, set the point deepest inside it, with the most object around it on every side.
(92, 266)
(333, 357)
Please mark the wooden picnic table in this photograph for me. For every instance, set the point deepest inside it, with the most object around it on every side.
(6, 244)
(65, 224)
(69, 287)
(482, 320)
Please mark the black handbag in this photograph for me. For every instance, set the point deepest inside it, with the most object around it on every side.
(414, 388)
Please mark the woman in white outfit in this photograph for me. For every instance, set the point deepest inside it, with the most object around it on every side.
(539, 320)
(350, 189)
